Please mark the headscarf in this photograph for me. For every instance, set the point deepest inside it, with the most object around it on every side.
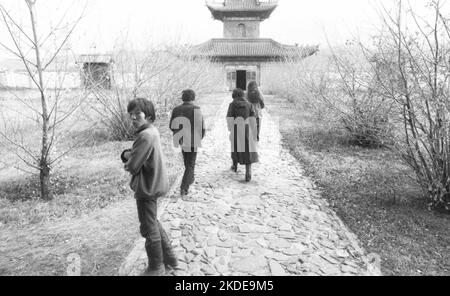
(253, 94)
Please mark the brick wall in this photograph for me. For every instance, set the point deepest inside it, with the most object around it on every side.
(231, 29)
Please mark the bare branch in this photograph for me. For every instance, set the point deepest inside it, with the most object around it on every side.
(24, 102)
(58, 26)
(16, 54)
(17, 145)
(20, 55)
(11, 19)
(63, 42)
(78, 143)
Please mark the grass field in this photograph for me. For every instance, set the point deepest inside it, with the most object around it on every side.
(92, 214)
(370, 191)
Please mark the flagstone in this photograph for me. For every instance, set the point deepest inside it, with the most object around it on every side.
(277, 224)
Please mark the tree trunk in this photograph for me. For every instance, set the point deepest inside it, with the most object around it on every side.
(45, 147)
(44, 177)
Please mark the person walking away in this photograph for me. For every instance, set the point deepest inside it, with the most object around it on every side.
(255, 98)
(242, 126)
(187, 125)
(149, 181)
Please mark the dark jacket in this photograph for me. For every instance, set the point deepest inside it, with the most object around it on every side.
(192, 113)
(146, 165)
(241, 123)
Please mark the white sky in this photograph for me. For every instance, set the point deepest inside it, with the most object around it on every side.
(189, 21)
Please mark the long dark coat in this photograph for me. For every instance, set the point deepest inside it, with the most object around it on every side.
(242, 151)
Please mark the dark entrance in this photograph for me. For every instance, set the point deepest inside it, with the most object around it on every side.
(241, 79)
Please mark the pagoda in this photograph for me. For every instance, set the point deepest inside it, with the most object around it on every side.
(241, 50)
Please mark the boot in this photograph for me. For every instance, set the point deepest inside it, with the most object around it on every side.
(248, 172)
(155, 259)
(234, 167)
(169, 257)
(184, 192)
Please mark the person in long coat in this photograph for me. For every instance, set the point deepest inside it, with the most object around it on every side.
(255, 98)
(241, 123)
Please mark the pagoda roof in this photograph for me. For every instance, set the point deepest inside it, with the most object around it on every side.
(242, 8)
(250, 48)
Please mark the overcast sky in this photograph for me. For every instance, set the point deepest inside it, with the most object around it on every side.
(106, 22)
(189, 21)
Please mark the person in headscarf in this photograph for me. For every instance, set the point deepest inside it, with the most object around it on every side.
(255, 98)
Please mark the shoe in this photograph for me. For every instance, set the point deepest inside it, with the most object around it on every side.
(248, 172)
(184, 192)
(155, 259)
(169, 257)
(158, 271)
(234, 168)
(248, 177)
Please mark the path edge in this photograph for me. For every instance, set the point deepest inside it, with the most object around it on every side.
(131, 260)
(133, 257)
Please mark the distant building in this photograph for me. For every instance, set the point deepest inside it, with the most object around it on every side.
(96, 70)
(241, 51)
(83, 71)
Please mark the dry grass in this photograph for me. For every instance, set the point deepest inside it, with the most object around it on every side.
(102, 238)
(94, 216)
(370, 191)
(93, 213)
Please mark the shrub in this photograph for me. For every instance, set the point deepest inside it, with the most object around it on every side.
(413, 73)
(158, 75)
(338, 88)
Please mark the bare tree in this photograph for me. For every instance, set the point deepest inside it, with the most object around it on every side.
(337, 87)
(29, 46)
(413, 71)
(349, 90)
(159, 74)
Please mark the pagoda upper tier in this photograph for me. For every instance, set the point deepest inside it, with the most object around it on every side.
(226, 9)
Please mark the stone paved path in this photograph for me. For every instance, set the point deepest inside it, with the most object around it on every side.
(275, 225)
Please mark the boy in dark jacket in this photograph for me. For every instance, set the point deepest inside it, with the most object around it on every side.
(149, 181)
(188, 127)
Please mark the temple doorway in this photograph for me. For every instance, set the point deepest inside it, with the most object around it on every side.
(241, 79)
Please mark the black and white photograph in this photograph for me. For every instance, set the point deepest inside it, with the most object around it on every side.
(204, 140)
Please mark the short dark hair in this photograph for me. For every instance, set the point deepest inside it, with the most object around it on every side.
(188, 95)
(237, 93)
(143, 105)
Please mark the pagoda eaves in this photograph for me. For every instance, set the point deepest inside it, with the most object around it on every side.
(261, 11)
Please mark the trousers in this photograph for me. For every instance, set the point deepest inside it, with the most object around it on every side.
(189, 159)
(147, 214)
